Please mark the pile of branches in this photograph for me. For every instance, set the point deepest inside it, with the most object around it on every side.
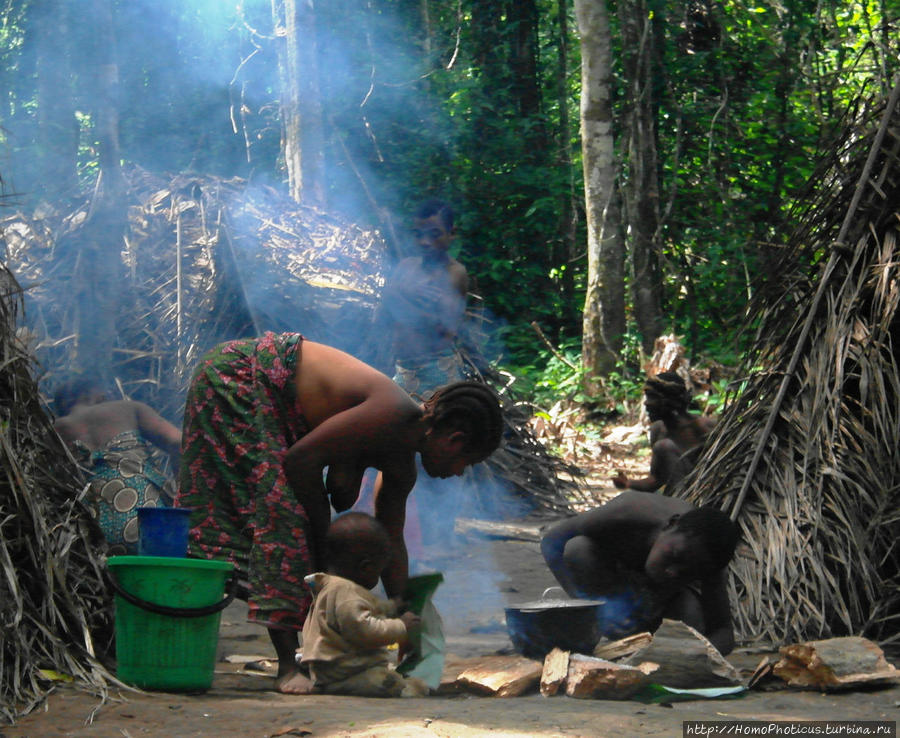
(523, 477)
(204, 260)
(538, 481)
(805, 457)
(55, 611)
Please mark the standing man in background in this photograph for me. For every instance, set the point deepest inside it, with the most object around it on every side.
(422, 309)
(423, 304)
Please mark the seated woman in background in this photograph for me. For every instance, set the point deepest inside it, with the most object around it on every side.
(114, 441)
(677, 437)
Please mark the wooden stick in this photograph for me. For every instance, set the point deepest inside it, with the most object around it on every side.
(552, 348)
(799, 348)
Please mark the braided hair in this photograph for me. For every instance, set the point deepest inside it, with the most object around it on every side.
(470, 407)
(713, 529)
(668, 392)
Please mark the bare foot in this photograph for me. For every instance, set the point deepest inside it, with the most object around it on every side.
(415, 687)
(293, 682)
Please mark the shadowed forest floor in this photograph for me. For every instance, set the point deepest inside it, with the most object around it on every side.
(483, 575)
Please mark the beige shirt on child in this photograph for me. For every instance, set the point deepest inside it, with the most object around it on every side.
(348, 626)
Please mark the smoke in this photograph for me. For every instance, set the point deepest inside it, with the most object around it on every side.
(621, 615)
(471, 597)
(199, 92)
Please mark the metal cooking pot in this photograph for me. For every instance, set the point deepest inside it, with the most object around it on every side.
(536, 628)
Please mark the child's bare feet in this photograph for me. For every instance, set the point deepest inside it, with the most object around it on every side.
(415, 687)
(293, 682)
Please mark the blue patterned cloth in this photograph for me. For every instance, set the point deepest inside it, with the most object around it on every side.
(122, 479)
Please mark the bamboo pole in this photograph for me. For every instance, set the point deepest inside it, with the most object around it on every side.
(814, 306)
(178, 277)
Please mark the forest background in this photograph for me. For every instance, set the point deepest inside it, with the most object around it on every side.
(694, 123)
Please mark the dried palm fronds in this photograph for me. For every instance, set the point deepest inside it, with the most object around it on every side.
(53, 603)
(805, 457)
(206, 260)
(522, 476)
(544, 482)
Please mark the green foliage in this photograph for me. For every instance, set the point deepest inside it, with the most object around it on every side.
(468, 104)
(751, 94)
(557, 376)
(721, 391)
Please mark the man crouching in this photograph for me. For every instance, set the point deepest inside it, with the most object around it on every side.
(651, 557)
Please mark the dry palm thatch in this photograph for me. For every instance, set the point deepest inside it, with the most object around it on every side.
(536, 481)
(206, 260)
(805, 458)
(53, 603)
(544, 481)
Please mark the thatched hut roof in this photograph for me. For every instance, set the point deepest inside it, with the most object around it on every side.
(204, 260)
(54, 606)
(806, 456)
(207, 260)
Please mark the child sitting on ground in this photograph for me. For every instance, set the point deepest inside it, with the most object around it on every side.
(347, 632)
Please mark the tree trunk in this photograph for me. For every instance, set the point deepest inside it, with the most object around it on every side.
(57, 127)
(604, 305)
(487, 38)
(527, 105)
(301, 103)
(427, 30)
(106, 104)
(103, 234)
(641, 192)
(568, 218)
(523, 19)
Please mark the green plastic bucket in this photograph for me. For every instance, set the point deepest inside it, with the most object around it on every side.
(174, 649)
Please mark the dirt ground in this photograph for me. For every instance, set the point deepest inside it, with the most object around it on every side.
(482, 576)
